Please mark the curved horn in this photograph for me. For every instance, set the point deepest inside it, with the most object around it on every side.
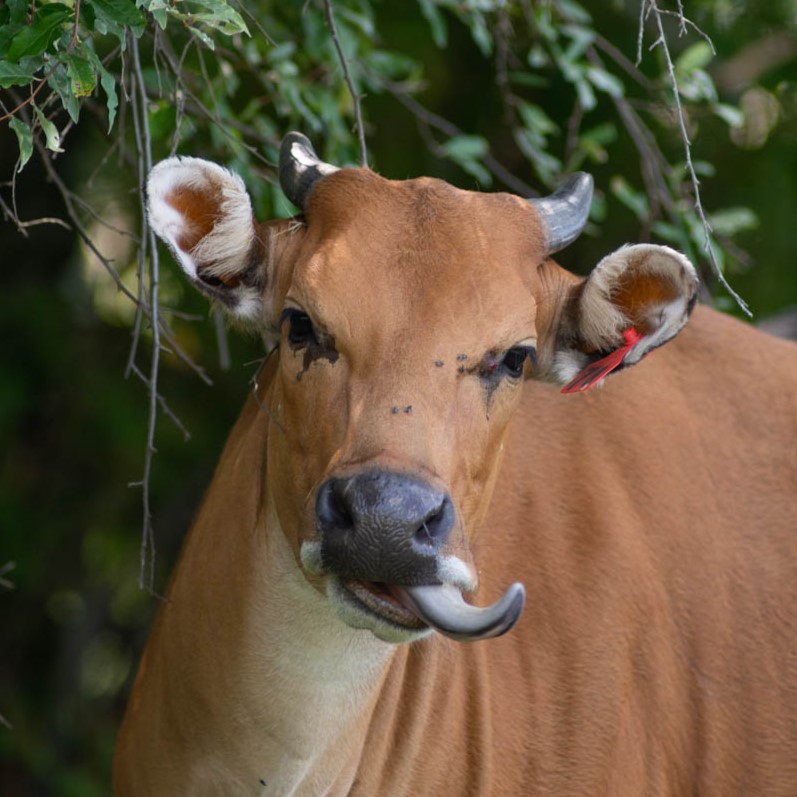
(300, 168)
(565, 212)
(443, 607)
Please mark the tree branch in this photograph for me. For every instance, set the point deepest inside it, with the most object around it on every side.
(661, 41)
(144, 146)
(423, 114)
(349, 82)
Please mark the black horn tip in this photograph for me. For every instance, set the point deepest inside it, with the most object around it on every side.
(300, 168)
(566, 211)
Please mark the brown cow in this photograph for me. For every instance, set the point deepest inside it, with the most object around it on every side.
(406, 446)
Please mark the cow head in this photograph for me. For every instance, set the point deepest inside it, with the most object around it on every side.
(409, 313)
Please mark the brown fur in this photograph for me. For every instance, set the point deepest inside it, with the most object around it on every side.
(651, 521)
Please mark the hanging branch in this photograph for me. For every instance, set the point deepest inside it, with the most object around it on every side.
(349, 82)
(144, 145)
(429, 119)
(648, 7)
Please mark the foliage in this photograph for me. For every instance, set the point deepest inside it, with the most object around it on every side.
(489, 94)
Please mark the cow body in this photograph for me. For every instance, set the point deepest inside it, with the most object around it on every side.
(652, 523)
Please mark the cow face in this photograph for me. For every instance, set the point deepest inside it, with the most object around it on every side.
(409, 315)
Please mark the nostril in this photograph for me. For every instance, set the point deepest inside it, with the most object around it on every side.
(434, 530)
(331, 509)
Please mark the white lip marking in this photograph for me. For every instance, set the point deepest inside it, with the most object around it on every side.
(452, 570)
(310, 555)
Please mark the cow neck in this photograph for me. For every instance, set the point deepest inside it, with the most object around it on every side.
(278, 672)
(324, 678)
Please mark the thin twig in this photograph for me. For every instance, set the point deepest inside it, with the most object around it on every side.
(431, 119)
(684, 21)
(330, 14)
(22, 226)
(662, 42)
(68, 199)
(167, 410)
(147, 242)
(644, 10)
(224, 125)
(140, 266)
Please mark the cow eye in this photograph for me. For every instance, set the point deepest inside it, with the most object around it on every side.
(514, 360)
(301, 331)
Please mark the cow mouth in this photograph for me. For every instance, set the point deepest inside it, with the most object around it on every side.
(380, 599)
(413, 611)
(438, 606)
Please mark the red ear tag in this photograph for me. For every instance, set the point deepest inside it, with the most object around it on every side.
(594, 372)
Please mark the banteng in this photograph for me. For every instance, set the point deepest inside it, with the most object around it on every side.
(407, 474)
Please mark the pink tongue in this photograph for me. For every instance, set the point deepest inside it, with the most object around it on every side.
(443, 608)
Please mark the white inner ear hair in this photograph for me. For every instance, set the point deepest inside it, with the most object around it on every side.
(224, 252)
(602, 322)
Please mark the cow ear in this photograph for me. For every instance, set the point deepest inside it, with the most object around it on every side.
(635, 299)
(204, 214)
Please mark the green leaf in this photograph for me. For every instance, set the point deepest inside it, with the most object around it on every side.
(108, 83)
(82, 77)
(729, 114)
(59, 82)
(15, 75)
(203, 37)
(668, 232)
(52, 139)
(39, 37)
(528, 79)
(702, 168)
(591, 142)
(390, 64)
(7, 33)
(225, 26)
(537, 57)
(25, 139)
(220, 16)
(546, 165)
(534, 118)
(695, 57)
(730, 221)
(586, 95)
(697, 85)
(465, 147)
(436, 21)
(280, 52)
(634, 200)
(160, 10)
(605, 81)
(119, 12)
(480, 33)
(18, 10)
(361, 21)
(580, 38)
